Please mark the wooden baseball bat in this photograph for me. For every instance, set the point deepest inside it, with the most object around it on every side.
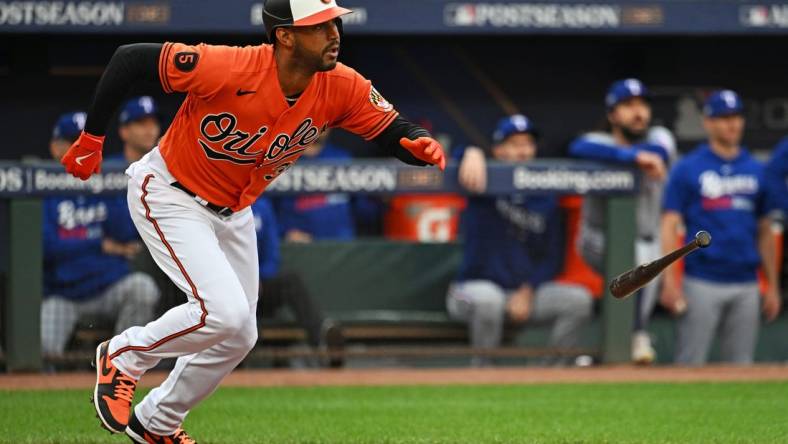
(630, 281)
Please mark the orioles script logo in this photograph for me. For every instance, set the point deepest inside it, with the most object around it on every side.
(222, 140)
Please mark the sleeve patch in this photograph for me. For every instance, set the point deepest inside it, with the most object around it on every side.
(378, 101)
(186, 61)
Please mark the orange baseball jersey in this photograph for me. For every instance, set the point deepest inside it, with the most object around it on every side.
(235, 132)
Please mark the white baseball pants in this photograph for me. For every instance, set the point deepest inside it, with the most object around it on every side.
(213, 259)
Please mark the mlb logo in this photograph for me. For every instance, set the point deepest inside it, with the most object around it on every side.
(460, 15)
(755, 16)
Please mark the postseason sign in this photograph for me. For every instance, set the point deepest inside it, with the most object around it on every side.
(375, 17)
(359, 177)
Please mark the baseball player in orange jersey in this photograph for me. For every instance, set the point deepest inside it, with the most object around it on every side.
(249, 114)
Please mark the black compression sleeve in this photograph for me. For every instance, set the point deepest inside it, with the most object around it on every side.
(129, 64)
(389, 138)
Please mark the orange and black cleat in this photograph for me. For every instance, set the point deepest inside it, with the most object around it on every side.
(138, 434)
(113, 393)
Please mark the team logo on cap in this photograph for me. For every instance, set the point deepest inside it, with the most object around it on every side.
(378, 101)
(729, 97)
(634, 86)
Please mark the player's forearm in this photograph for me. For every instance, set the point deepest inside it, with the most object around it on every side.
(129, 65)
(389, 139)
(587, 149)
(768, 251)
(669, 239)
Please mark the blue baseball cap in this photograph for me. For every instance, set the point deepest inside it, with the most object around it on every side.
(138, 108)
(514, 124)
(723, 103)
(625, 89)
(69, 126)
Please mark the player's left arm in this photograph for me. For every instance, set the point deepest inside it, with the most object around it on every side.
(675, 202)
(129, 65)
(411, 144)
(768, 252)
(362, 110)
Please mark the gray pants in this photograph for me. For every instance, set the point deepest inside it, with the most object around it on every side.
(732, 308)
(130, 301)
(482, 304)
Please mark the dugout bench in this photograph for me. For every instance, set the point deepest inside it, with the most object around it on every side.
(367, 285)
(398, 301)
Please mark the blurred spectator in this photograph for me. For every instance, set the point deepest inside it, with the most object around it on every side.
(139, 127)
(85, 269)
(719, 187)
(630, 140)
(309, 217)
(512, 251)
(280, 289)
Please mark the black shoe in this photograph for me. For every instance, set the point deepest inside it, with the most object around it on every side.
(138, 434)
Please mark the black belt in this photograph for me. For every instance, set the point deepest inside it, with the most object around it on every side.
(221, 211)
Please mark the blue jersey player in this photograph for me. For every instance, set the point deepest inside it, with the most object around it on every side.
(720, 187)
(86, 248)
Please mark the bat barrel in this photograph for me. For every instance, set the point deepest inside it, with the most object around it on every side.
(630, 281)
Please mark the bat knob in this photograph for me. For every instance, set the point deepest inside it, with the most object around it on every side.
(702, 239)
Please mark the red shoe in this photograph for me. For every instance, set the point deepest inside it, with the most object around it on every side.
(113, 393)
(138, 434)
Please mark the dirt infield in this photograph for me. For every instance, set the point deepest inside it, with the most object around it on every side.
(377, 377)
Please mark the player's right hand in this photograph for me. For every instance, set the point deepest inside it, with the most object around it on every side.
(520, 305)
(672, 298)
(84, 157)
(473, 170)
(651, 164)
(771, 305)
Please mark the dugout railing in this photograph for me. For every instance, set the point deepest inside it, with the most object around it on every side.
(23, 186)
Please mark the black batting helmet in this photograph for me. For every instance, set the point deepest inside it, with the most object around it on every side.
(280, 13)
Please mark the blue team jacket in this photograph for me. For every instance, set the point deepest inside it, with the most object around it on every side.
(74, 265)
(512, 240)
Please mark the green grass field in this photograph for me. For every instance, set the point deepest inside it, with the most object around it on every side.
(568, 413)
